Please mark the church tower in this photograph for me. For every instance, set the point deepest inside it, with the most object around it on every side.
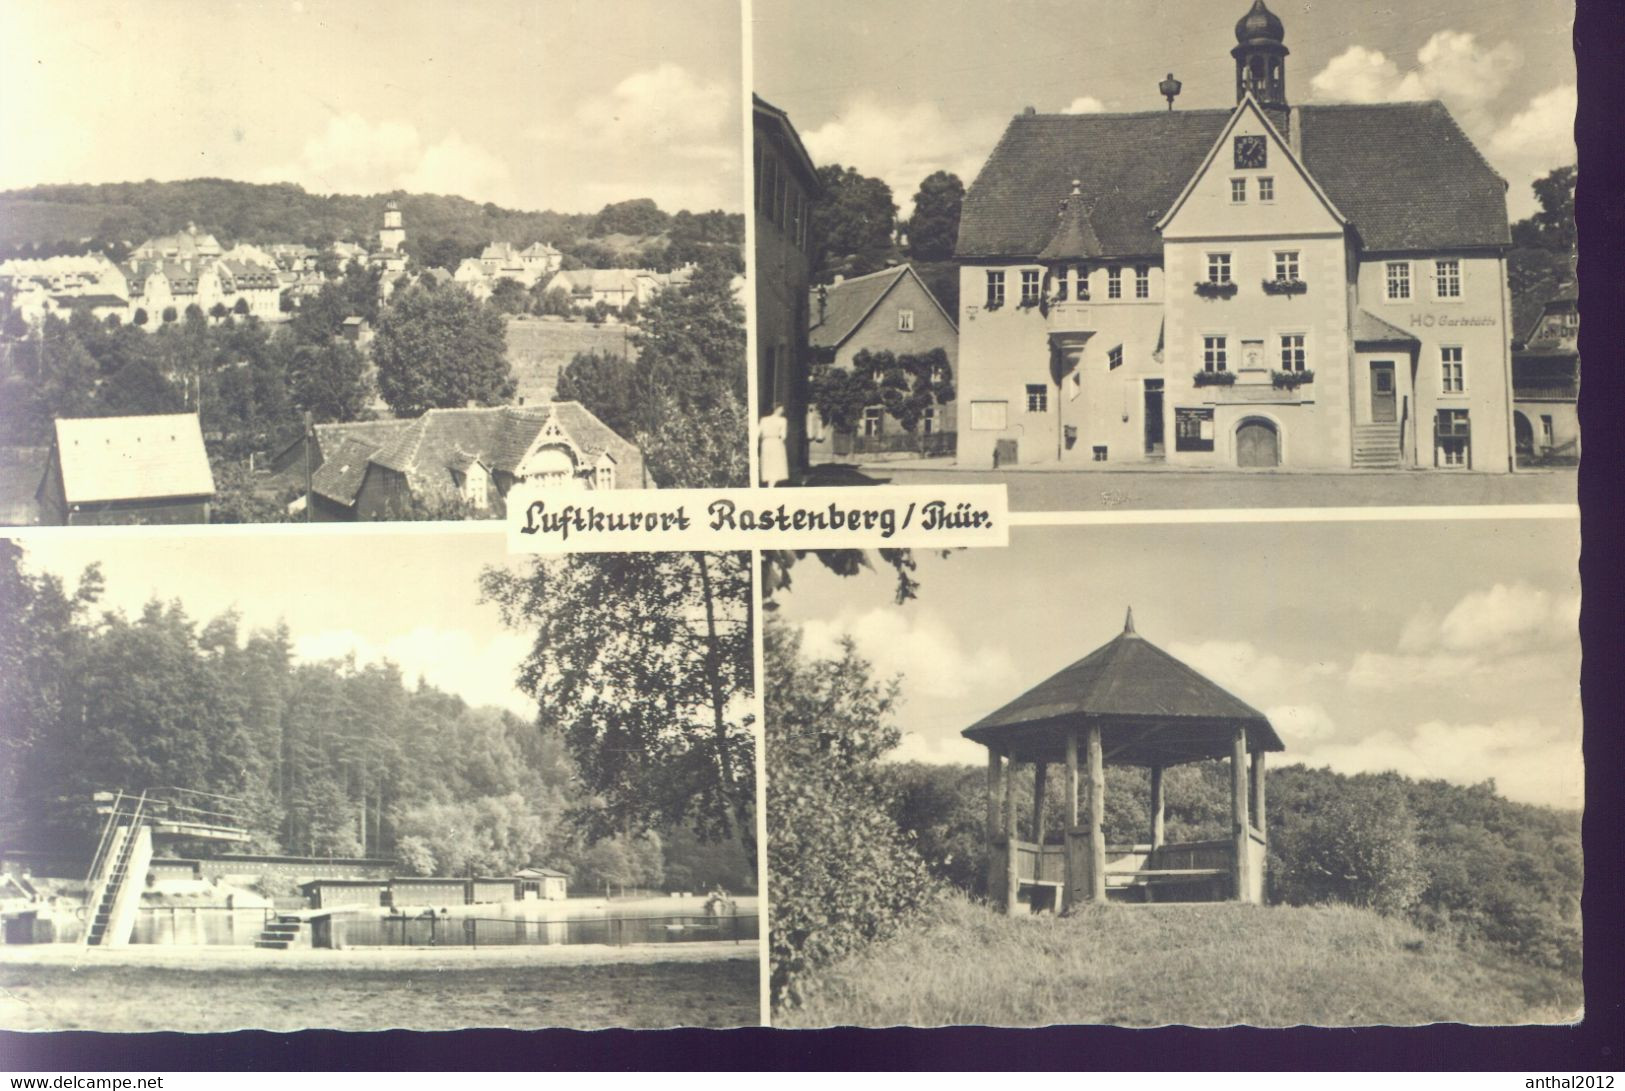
(1261, 60)
(393, 234)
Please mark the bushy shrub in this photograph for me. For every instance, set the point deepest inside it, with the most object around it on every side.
(842, 874)
(1357, 846)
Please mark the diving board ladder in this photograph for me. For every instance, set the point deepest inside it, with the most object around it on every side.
(125, 848)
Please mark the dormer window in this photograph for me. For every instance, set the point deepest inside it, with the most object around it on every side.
(606, 476)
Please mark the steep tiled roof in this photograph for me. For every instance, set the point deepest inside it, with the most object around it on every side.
(342, 469)
(1406, 175)
(1129, 680)
(1369, 329)
(132, 458)
(847, 304)
(1131, 165)
(429, 448)
(1403, 173)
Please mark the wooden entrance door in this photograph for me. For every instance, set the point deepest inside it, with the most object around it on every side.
(1153, 418)
(1258, 444)
(1382, 391)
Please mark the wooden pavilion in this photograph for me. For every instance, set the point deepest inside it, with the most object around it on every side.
(1126, 703)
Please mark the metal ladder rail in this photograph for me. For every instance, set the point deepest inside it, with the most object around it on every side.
(95, 881)
(102, 913)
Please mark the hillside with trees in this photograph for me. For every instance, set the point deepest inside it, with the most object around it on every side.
(326, 758)
(441, 230)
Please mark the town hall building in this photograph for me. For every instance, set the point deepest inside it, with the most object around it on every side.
(1271, 285)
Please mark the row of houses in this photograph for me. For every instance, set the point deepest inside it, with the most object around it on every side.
(1265, 285)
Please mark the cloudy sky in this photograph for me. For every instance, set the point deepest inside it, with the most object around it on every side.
(412, 598)
(903, 88)
(1441, 649)
(562, 104)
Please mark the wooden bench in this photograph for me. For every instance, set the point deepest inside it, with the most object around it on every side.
(1150, 878)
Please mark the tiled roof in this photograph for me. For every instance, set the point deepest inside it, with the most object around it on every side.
(1074, 236)
(1369, 329)
(847, 304)
(1128, 679)
(132, 458)
(427, 449)
(1406, 175)
(1403, 173)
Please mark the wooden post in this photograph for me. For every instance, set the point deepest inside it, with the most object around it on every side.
(1012, 859)
(1040, 774)
(1238, 810)
(994, 768)
(995, 867)
(1158, 809)
(1071, 779)
(1010, 798)
(1097, 817)
(1258, 792)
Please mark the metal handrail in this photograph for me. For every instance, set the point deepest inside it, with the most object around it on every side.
(105, 840)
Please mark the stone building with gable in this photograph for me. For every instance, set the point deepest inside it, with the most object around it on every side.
(1267, 285)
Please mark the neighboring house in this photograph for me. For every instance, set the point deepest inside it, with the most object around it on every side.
(786, 189)
(371, 470)
(614, 287)
(891, 311)
(105, 470)
(1546, 383)
(60, 285)
(189, 245)
(1266, 285)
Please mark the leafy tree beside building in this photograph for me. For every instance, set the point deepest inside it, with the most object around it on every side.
(440, 350)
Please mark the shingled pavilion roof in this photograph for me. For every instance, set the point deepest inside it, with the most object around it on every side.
(1151, 708)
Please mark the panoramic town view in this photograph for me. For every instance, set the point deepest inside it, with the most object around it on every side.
(1286, 272)
(366, 312)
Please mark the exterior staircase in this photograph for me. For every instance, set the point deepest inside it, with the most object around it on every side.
(125, 848)
(1376, 446)
(283, 933)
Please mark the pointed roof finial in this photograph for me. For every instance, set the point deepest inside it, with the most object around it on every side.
(1128, 623)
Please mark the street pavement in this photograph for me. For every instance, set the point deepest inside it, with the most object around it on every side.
(1158, 489)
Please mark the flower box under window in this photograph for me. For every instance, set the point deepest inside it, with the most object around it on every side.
(1291, 286)
(1291, 380)
(1215, 378)
(1216, 289)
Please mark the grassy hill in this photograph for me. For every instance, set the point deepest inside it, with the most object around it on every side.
(1200, 965)
(538, 350)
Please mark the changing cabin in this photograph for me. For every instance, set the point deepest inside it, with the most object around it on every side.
(1126, 703)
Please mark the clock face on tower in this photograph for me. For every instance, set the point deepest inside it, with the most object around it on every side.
(1251, 151)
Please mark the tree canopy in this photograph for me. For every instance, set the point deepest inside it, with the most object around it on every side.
(439, 350)
(643, 663)
(933, 230)
(850, 230)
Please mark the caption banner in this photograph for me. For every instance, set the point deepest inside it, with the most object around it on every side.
(643, 521)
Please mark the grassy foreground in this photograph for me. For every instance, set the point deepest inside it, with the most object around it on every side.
(522, 988)
(1199, 965)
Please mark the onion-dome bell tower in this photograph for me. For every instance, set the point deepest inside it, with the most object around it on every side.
(1260, 55)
